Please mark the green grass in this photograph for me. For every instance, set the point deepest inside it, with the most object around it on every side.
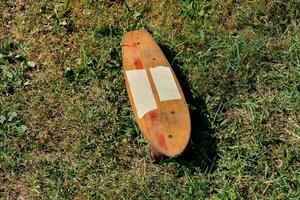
(66, 126)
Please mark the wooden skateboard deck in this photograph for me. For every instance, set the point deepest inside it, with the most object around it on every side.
(155, 95)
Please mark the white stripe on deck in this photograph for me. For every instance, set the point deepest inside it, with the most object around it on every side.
(141, 91)
(165, 83)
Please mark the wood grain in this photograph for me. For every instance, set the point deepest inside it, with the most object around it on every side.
(167, 128)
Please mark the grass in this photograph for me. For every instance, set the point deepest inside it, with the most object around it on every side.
(66, 127)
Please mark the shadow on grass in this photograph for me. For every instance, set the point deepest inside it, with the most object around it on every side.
(201, 153)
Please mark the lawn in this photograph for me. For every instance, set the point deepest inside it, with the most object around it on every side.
(66, 127)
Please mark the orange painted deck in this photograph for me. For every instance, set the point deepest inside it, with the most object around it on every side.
(168, 127)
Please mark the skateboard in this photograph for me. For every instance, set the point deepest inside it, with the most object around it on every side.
(156, 98)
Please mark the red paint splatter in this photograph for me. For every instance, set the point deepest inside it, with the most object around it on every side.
(134, 45)
(154, 116)
(138, 63)
(162, 141)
